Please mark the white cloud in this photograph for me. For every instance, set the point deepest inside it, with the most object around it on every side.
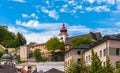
(118, 5)
(111, 1)
(78, 7)
(89, 9)
(30, 23)
(51, 13)
(44, 10)
(101, 8)
(118, 23)
(71, 2)
(78, 29)
(37, 25)
(24, 15)
(33, 15)
(105, 31)
(106, 1)
(47, 2)
(17, 29)
(91, 1)
(21, 1)
(41, 37)
(64, 8)
(98, 9)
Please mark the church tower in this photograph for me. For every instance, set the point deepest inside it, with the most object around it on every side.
(63, 33)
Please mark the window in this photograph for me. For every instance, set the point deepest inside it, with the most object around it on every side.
(100, 53)
(89, 57)
(79, 52)
(78, 59)
(117, 51)
(104, 52)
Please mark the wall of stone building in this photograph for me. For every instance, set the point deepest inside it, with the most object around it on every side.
(43, 50)
(24, 53)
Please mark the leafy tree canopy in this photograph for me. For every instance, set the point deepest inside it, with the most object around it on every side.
(37, 55)
(9, 39)
(81, 40)
(54, 44)
(31, 43)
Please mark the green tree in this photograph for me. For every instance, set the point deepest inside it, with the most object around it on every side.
(37, 55)
(20, 39)
(31, 43)
(96, 66)
(81, 40)
(9, 40)
(3, 31)
(117, 69)
(76, 67)
(54, 44)
(19, 61)
(72, 67)
(108, 68)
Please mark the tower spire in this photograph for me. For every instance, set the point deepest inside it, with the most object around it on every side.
(63, 33)
(63, 24)
(63, 30)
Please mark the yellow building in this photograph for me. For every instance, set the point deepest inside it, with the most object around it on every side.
(43, 50)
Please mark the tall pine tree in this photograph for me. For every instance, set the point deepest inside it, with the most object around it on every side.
(77, 67)
(96, 66)
(108, 68)
(20, 39)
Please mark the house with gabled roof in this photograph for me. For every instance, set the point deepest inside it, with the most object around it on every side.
(108, 46)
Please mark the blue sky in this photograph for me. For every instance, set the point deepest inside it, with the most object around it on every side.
(39, 20)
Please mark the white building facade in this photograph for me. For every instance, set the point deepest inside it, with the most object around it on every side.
(104, 48)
